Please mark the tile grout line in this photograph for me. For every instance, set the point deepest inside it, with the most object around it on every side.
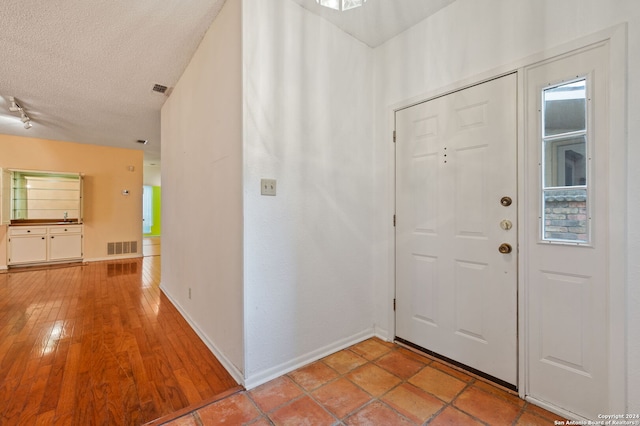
(428, 362)
(471, 383)
(372, 398)
(446, 405)
(406, 381)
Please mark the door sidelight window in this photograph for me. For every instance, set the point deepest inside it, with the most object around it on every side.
(565, 159)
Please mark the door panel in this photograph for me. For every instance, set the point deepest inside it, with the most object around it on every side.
(562, 338)
(567, 284)
(470, 207)
(471, 285)
(456, 294)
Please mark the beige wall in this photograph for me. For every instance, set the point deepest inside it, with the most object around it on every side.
(108, 215)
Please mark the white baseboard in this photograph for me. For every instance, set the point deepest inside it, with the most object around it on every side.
(269, 374)
(115, 257)
(383, 334)
(557, 410)
(226, 363)
(264, 376)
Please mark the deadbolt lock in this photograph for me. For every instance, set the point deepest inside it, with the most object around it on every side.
(505, 248)
(506, 201)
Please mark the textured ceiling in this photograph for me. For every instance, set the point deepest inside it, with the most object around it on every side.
(84, 70)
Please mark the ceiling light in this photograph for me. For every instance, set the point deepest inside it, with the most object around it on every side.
(14, 106)
(341, 5)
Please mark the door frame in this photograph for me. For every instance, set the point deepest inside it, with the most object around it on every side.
(616, 37)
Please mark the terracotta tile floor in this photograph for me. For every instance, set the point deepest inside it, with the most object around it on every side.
(371, 383)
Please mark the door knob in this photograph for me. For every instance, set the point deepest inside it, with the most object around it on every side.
(505, 248)
(506, 201)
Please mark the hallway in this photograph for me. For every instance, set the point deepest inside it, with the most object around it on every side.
(100, 344)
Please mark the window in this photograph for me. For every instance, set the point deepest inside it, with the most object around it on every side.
(147, 209)
(565, 177)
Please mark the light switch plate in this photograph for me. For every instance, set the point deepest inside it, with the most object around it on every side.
(268, 186)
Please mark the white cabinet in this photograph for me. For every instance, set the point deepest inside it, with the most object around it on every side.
(43, 244)
(27, 244)
(65, 242)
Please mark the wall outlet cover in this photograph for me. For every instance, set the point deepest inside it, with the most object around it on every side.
(267, 186)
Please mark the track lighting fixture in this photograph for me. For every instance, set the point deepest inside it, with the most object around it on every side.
(15, 107)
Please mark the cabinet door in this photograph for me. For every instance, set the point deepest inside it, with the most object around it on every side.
(29, 249)
(65, 246)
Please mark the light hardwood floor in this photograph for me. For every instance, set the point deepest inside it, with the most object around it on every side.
(151, 246)
(99, 344)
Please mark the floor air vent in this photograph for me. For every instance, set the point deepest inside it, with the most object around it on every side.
(122, 247)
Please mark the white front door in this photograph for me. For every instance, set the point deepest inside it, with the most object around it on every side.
(456, 170)
(567, 218)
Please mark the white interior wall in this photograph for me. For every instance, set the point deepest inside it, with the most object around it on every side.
(202, 190)
(308, 250)
(310, 256)
(472, 37)
(151, 174)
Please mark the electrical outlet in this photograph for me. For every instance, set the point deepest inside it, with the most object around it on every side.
(267, 186)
